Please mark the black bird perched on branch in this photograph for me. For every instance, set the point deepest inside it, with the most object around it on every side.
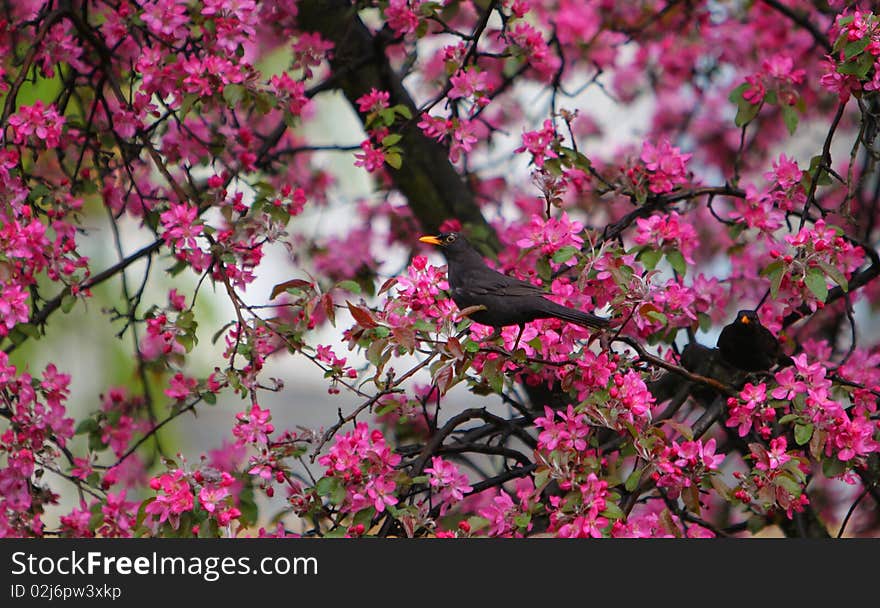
(748, 345)
(505, 300)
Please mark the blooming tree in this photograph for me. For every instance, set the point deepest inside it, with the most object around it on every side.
(749, 182)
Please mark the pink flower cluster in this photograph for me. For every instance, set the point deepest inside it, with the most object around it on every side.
(540, 143)
(174, 497)
(549, 235)
(819, 251)
(579, 514)
(365, 465)
(667, 232)
(460, 131)
(840, 77)
(666, 166)
(685, 465)
(419, 296)
(448, 484)
(507, 517)
(37, 123)
(777, 480)
(804, 395)
(568, 434)
(779, 75)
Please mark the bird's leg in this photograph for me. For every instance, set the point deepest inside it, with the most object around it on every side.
(522, 326)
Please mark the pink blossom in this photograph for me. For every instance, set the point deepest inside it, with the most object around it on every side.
(119, 516)
(77, 523)
(401, 16)
(469, 82)
(539, 143)
(667, 231)
(371, 157)
(180, 387)
(13, 307)
(667, 166)
(174, 497)
(434, 126)
(774, 458)
(552, 234)
(365, 464)
(253, 426)
(463, 138)
(181, 226)
(373, 101)
(168, 19)
(37, 120)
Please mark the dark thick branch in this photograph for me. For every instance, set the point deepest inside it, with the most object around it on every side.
(434, 189)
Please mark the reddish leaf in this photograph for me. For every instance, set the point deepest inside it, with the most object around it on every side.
(327, 302)
(470, 310)
(282, 287)
(453, 346)
(361, 316)
(388, 285)
(405, 337)
(443, 378)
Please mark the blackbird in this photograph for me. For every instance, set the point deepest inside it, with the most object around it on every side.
(749, 346)
(507, 300)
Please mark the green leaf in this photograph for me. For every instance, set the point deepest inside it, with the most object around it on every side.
(612, 511)
(657, 316)
(542, 267)
(858, 67)
(746, 111)
(774, 271)
(522, 520)
(790, 485)
(387, 116)
(349, 285)
(705, 321)
(403, 111)
(554, 166)
(364, 517)
(394, 160)
(676, 259)
(834, 274)
(542, 477)
(233, 94)
(564, 254)
(815, 280)
(817, 168)
(833, 467)
(86, 426)
(67, 302)
(856, 47)
(649, 258)
(477, 523)
(326, 485)
(390, 140)
(632, 481)
(802, 433)
(28, 329)
(789, 115)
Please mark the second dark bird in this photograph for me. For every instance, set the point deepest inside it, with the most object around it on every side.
(507, 300)
(748, 345)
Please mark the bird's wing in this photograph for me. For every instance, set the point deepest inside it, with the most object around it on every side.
(492, 282)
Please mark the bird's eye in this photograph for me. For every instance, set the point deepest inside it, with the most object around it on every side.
(450, 238)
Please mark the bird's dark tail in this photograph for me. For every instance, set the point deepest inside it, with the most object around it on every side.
(572, 315)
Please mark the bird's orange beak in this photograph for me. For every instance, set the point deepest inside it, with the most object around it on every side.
(433, 240)
(744, 320)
